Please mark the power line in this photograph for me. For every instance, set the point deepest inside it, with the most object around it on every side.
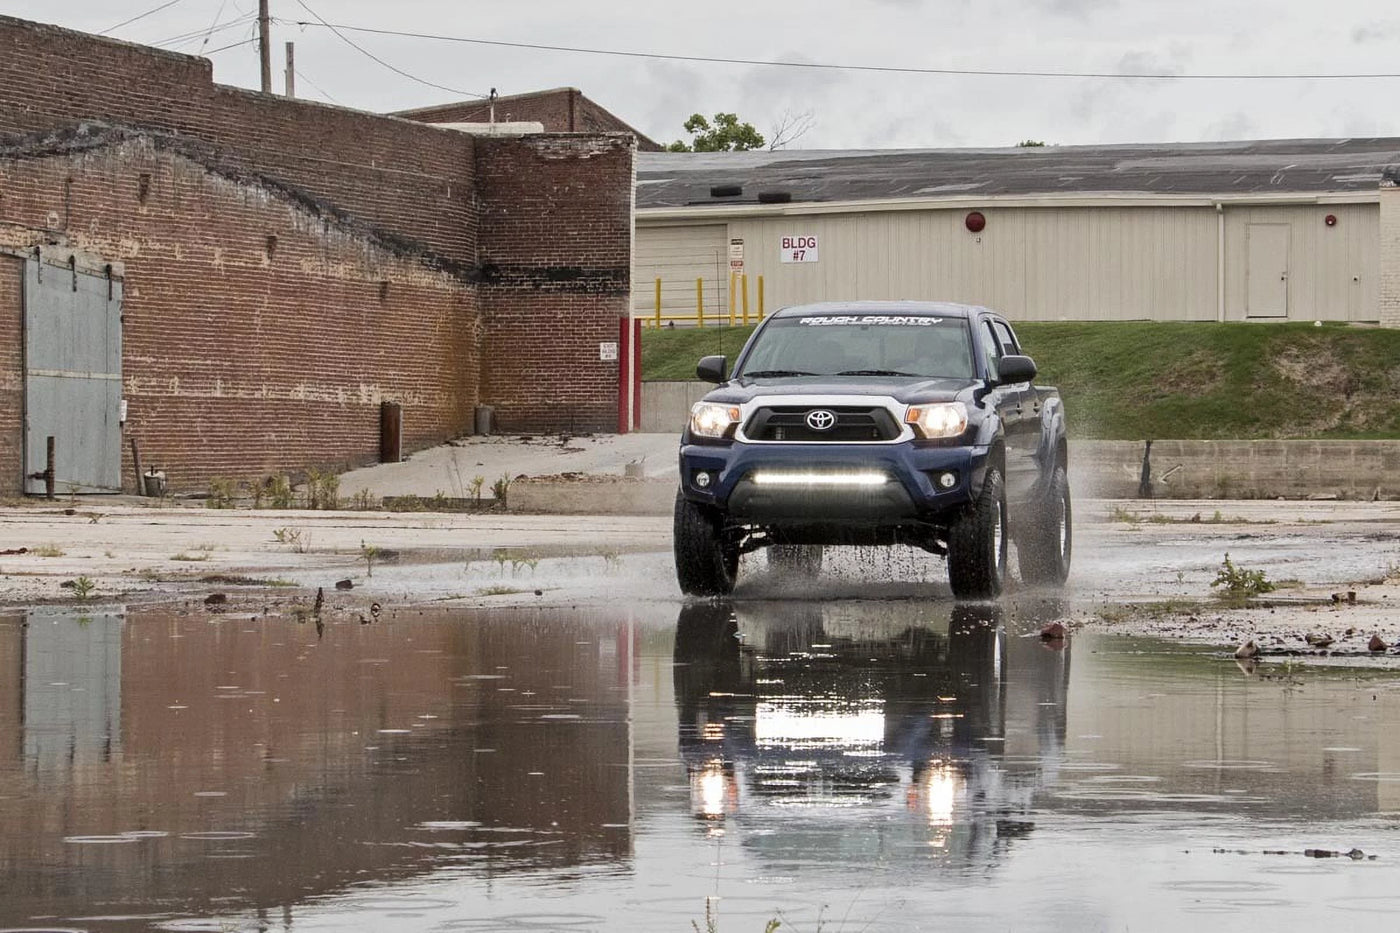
(234, 45)
(363, 51)
(128, 22)
(184, 37)
(828, 66)
(316, 86)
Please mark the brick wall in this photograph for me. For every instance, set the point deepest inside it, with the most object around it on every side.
(1390, 249)
(11, 373)
(242, 355)
(556, 266)
(237, 363)
(407, 178)
(562, 110)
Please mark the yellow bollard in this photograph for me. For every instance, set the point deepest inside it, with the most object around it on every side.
(732, 283)
(760, 299)
(744, 286)
(699, 302)
(658, 301)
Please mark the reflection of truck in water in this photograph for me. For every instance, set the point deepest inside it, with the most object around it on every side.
(866, 727)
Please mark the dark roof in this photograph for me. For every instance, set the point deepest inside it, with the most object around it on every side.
(1281, 166)
(897, 307)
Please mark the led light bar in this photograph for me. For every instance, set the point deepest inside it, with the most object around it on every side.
(813, 478)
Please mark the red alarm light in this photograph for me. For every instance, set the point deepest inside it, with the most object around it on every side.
(1330, 220)
(975, 221)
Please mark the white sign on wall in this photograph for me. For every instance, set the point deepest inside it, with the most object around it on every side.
(798, 248)
(607, 351)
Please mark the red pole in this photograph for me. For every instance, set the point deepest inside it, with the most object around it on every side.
(637, 374)
(624, 358)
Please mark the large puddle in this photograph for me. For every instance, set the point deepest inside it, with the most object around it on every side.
(835, 766)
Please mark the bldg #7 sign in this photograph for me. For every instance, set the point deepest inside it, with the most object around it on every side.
(798, 248)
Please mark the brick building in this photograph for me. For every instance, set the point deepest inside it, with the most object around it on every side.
(561, 110)
(248, 277)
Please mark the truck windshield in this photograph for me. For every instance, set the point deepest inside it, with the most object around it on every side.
(861, 345)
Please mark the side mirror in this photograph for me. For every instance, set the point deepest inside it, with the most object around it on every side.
(1014, 369)
(711, 369)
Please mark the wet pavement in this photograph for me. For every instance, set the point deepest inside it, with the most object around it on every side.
(836, 765)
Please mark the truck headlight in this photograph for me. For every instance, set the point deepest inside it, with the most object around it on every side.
(942, 419)
(708, 419)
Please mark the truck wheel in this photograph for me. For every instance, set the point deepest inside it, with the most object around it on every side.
(705, 564)
(1045, 552)
(795, 559)
(977, 544)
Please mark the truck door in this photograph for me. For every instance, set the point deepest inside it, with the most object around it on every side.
(1013, 405)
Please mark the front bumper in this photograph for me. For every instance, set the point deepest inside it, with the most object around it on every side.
(810, 483)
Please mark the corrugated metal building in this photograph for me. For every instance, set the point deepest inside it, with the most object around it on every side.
(1273, 230)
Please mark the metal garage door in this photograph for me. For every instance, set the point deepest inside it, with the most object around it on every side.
(72, 377)
(678, 256)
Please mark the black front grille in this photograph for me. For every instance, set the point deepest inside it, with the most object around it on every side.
(852, 425)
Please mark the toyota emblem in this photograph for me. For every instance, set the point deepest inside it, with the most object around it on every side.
(821, 420)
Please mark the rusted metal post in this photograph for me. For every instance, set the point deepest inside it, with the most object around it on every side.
(760, 298)
(744, 288)
(699, 302)
(48, 473)
(136, 462)
(733, 286)
(1145, 478)
(658, 301)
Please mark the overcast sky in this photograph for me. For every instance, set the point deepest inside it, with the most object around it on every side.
(851, 109)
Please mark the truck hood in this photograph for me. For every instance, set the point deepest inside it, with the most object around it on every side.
(906, 391)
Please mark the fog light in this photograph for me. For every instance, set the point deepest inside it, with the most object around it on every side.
(948, 479)
(702, 480)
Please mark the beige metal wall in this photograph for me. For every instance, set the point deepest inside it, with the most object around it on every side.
(1053, 263)
(1333, 272)
(678, 255)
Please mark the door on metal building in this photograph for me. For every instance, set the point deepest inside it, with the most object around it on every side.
(72, 377)
(1267, 270)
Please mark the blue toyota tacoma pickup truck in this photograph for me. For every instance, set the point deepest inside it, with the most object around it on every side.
(875, 423)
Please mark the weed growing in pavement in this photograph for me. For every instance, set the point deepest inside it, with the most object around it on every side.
(362, 501)
(1238, 585)
(500, 489)
(185, 555)
(499, 591)
(369, 552)
(222, 493)
(274, 492)
(476, 484)
(83, 587)
(47, 550)
(612, 561)
(298, 540)
(502, 557)
(322, 490)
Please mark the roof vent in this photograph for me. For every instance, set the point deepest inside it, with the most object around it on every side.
(774, 197)
(726, 191)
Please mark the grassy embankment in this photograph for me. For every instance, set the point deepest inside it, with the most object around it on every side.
(1135, 380)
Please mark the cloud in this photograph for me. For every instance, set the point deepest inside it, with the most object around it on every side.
(1076, 9)
(1234, 126)
(1375, 32)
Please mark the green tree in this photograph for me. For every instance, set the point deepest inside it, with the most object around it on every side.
(1030, 144)
(726, 134)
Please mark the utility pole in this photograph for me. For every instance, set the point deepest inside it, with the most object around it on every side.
(291, 70)
(265, 45)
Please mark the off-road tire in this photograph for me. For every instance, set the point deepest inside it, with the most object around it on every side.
(705, 564)
(977, 543)
(1044, 552)
(795, 559)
